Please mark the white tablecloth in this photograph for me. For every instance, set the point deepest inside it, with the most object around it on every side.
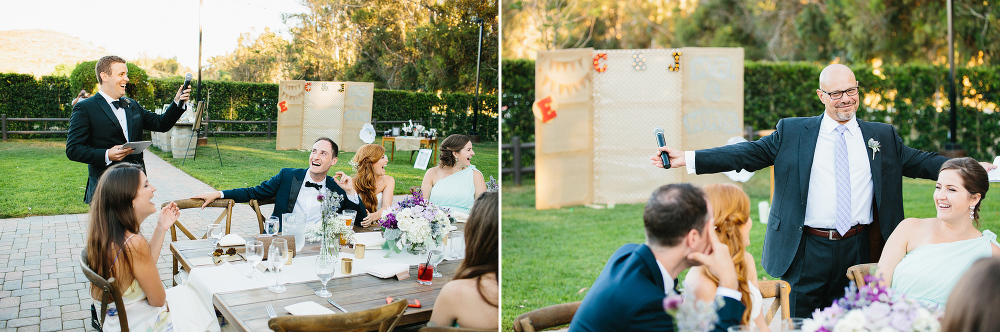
(232, 277)
(404, 143)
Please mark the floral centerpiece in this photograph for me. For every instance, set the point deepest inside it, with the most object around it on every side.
(492, 185)
(690, 314)
(413, 224)
(874, 307)
(331, 229)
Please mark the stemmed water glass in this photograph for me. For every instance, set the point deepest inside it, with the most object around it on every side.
(271, 226)
(277, 255)
(437, 255)
(215, 233)
(325, 267)
(254, 255)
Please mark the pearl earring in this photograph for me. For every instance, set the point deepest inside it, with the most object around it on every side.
(972, 213)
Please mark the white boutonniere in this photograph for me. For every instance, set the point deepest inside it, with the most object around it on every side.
(874, 145)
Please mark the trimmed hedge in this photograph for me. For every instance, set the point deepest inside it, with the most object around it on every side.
(908, 97)
(23, 96)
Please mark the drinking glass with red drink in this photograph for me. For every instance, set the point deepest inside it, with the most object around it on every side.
(425, 273)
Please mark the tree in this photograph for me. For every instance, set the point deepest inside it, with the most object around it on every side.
(259, 60)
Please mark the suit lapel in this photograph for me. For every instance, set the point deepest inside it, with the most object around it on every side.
(107, 110)
(293, 192)
(650, 260)
(868, 133)
(130, 122)
(807, 149)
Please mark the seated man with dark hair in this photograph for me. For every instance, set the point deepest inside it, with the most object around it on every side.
(293, 191)
(629, 293)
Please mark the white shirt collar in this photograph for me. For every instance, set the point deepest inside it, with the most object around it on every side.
(829, 124)
(668, 281)
(107, 98)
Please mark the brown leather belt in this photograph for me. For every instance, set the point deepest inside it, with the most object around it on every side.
(832, 234)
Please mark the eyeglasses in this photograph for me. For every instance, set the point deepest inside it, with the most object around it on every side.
(218, 253)
(840, 94)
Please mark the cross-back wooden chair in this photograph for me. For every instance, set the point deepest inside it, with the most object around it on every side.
(858, 273)
(780, 290)
(384, 317)
(109, 293)
(187, 203)
(543, 318)
(255, 205)
(451, 329)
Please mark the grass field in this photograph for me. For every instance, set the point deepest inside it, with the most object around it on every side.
(38, 179)
(553, 256)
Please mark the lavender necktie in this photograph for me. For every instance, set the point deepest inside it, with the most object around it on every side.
(843, 171)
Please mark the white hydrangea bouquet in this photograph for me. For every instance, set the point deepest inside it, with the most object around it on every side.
(413, 224)
(330, 227)
(874, 307)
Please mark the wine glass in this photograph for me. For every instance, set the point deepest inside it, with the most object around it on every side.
(437, 256)
(456, 244)
(215, 233)
(325, 267)
(271, 226)
(254, 255)
(277, 255)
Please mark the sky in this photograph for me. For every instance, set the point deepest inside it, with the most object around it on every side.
(168, 28)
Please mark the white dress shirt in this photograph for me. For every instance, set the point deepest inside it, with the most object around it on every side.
(120, 114)
(821, 202)
(668, 286)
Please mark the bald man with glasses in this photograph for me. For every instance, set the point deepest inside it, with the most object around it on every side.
(840, 193)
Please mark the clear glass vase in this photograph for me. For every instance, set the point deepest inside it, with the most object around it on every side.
(330, 246)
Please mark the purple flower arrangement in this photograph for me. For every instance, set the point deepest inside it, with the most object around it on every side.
(414, 222)
(874, 307)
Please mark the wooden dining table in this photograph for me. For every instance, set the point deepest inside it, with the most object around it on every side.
(430, 143)
(245, 309)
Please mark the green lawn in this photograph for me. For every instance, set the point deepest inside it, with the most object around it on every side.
(38, 179)
(248, 161)
(553, 256)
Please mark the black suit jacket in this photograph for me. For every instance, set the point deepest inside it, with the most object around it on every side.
(628, 296)
(284, 189)
(791, 149)
(94, 128)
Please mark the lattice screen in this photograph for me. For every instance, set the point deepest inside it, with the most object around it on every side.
(628, 104)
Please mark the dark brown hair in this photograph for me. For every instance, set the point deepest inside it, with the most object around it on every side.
(674, 210)
(450, 146)
(111, 215)
(336, 150)
(731, 209)
(482, 251)
(974, 179)
(104, 66)
(974, 303)
(365, 181)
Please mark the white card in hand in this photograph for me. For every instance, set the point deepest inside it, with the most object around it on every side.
(308, 308)
(994, 175)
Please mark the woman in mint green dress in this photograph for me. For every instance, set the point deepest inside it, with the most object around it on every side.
(454, 183)
(924, 258)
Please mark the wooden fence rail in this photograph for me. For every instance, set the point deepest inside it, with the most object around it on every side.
(516, 148)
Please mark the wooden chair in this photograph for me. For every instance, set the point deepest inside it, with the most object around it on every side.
(255, 205)
(384, 317)
(109, 293)
(780, 290)
(451, 329)
(543, 318)
(188, 203)
(858, 273)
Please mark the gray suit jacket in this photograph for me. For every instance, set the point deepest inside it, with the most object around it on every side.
(790, 150)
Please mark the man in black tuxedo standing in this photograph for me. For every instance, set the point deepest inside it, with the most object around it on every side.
(101, 124)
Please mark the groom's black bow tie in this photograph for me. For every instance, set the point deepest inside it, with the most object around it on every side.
(116, 104)
(314, 185)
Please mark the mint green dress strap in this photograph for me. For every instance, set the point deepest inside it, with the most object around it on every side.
(929, 272)
(457, 191)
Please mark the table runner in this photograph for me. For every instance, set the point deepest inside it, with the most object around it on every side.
(408, 143)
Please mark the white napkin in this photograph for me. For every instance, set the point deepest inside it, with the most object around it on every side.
(232, 240)
(387, 270)
(994, 175)
(308, 308)
(371, 240)
(460, 217)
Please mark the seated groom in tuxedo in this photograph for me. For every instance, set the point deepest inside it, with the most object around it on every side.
(629, 293)
(293, 192)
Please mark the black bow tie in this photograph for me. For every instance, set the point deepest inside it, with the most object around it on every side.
(314, 185)
(116, 104)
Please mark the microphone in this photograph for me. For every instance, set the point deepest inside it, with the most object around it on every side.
(187, 82)
(658, 132)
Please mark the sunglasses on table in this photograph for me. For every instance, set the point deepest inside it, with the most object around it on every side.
(218, 256)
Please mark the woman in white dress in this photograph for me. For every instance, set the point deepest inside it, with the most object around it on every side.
(116, 249)
(731, 211)
(372, 184)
